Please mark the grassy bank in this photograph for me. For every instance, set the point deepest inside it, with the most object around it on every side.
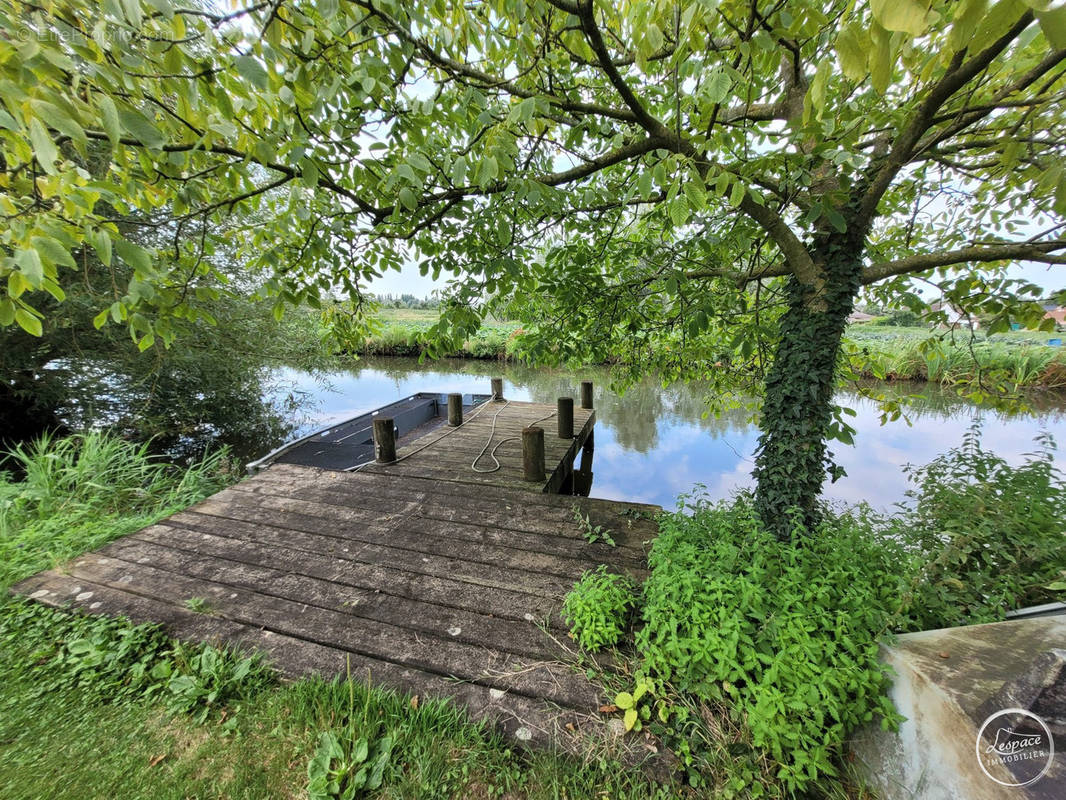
(1001, 363)
(402, 330)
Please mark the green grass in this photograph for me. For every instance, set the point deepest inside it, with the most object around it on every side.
(1002, 363)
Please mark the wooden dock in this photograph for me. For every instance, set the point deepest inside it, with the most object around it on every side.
(425, 575)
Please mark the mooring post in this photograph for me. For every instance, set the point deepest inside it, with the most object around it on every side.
(455, 410)
(586, 394)
(497, 388)
(564, 410)
(384, 440)
(533, 453)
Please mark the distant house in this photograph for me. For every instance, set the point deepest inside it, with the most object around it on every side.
(955, 316)
(1055, 312)
(856, 317)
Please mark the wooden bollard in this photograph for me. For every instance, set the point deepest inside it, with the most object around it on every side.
(455, 410)
(533, 453)
(564, 410)
(586, 394)
(497, 388)
(384, 440)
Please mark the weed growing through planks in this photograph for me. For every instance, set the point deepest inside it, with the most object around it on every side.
(598, 608)
(198, 604)
(592, 533)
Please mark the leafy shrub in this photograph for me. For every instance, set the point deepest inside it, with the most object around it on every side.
(597, 608)
(786, 633)
(903, 318)
(985, 536)
(115, 660)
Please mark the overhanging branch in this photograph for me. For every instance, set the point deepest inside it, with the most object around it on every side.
(1044, 252)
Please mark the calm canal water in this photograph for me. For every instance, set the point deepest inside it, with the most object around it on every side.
(654, 444)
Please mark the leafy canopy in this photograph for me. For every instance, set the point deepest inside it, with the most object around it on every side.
(681, 148)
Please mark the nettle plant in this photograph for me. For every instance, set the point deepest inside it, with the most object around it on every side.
(787, 636)
(598, 608)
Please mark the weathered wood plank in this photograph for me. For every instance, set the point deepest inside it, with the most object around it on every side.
(513, 525)
(533, 721)
(372, 639)
(397, 531)
(346, 569)
(308, 538)
(521, 638)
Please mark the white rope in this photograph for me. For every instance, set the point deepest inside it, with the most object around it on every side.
(492, 432)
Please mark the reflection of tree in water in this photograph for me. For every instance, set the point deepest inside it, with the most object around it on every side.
(634, 415)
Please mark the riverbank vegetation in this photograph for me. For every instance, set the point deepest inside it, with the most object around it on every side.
(783, 638)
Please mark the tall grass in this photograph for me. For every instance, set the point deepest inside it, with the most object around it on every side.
(79, 492)
(1002, 365)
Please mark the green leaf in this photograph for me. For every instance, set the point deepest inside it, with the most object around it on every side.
(459, 171)
(816, 95)
(100, 319)
(718, 86)
(1053, 24)
(30, 266)
(906, 16)
(736, 194)
(146, 341)
(624, 700)
(967, 17)
(252, 71)
(142, 129)
(882, 58)
(134, 255)
(52, 251)
(851, 47)
(109, 118)
(28, 322)
(630, 719)
(43, 147)
(101, 242)
(7, 311)
(408, 199)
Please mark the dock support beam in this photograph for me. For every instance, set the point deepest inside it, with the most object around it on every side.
(586, 394)
(497, 388)
(455, 410)
(533, 454)
(564, 411)
(384, 440)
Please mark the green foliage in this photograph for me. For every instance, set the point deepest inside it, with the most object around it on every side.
(985, 536)
(598, 608)
(785, 634)
(903, 318)
(114, 660)
(81, 491)
(592, 533)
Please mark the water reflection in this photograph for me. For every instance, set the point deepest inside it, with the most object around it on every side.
(654, 443)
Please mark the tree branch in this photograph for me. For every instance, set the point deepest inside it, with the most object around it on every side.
(958, 75)
(1020, 251)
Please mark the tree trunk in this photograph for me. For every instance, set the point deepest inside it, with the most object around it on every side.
(792, 460)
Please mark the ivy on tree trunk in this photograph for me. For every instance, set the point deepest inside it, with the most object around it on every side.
(792, 459)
